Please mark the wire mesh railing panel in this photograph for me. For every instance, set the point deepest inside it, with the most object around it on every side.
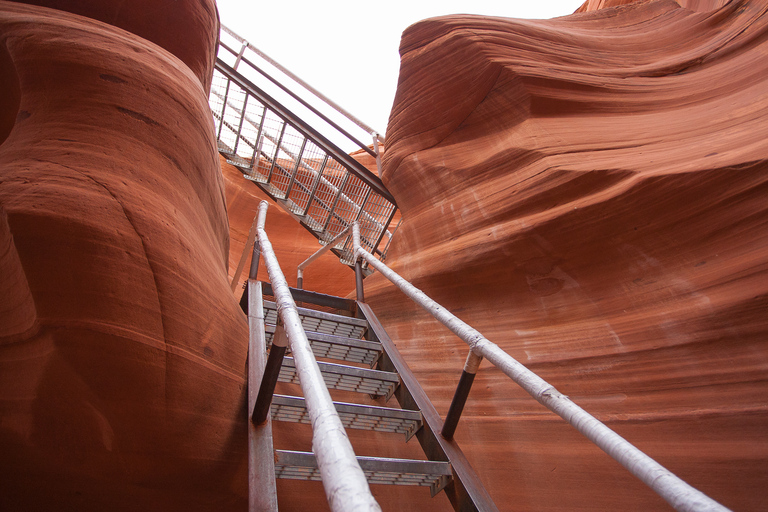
(326, 193)
(249, 130)
(234, 100)
(306, 176)
(288, 157)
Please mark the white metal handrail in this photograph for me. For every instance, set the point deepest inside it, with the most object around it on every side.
(674, 490)
(344, 481)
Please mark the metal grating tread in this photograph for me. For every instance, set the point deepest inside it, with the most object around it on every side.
(338, 347)
(361, 417)
(320, 321)
(347, 378)
(303, 466)
(313, 224)
(256, 176)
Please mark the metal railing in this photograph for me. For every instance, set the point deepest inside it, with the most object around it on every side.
(671, 488)
(296, 163)
(344, 481)
(229, 40)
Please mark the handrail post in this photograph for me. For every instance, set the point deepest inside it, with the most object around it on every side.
(462, 392)
(358, 262)
(271, 373)
(377, 151)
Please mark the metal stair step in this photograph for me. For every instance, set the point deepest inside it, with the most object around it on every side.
(338, 347)
(303, 466)
(357, 416)
(347, 378)
(320, 321)
(256, 176)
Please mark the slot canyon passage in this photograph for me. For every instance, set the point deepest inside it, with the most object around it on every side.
(589, 192)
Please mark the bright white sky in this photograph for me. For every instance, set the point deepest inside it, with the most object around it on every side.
(348, 49)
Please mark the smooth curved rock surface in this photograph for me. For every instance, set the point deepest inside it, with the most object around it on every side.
(589, 192)
(122, 386)
(187, 29)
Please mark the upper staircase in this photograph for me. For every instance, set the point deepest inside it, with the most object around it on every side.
(297, 163)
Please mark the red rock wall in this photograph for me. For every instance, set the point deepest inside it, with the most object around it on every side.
(187, 29)
(121, 380)
(589, 192)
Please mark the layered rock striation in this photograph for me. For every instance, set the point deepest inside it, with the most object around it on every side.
(122, 348)
(589, 193)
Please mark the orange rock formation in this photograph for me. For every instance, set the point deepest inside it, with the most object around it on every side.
(122, 349)
(589, 192)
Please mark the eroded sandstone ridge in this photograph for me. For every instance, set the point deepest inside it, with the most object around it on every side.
(590, 193)
(122, 349)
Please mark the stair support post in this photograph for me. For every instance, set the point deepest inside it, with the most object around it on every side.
(271, 373)
(460, 396)
(358, 262)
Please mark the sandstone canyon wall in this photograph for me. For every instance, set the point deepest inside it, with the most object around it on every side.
(590, 193)
(122, 349)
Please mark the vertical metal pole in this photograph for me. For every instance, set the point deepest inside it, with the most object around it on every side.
(271, 373)
(359, 280)
(258, 141)
(296, 168)
(358, 262)
(262, 493)
(240, 55)
(240, 126)
(461, 394)
(277, 151)
(254, 270)
(376, 150)
(224, 108)
(316, 184)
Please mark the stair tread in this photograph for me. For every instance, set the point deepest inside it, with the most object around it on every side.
(320, 321)
(347, 378)
(357, 416)
(378, 470)
(322, 314)
(337, 347)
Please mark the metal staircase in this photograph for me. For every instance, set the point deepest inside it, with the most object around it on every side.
(339, 338)
(354, 355)
(297, 163)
